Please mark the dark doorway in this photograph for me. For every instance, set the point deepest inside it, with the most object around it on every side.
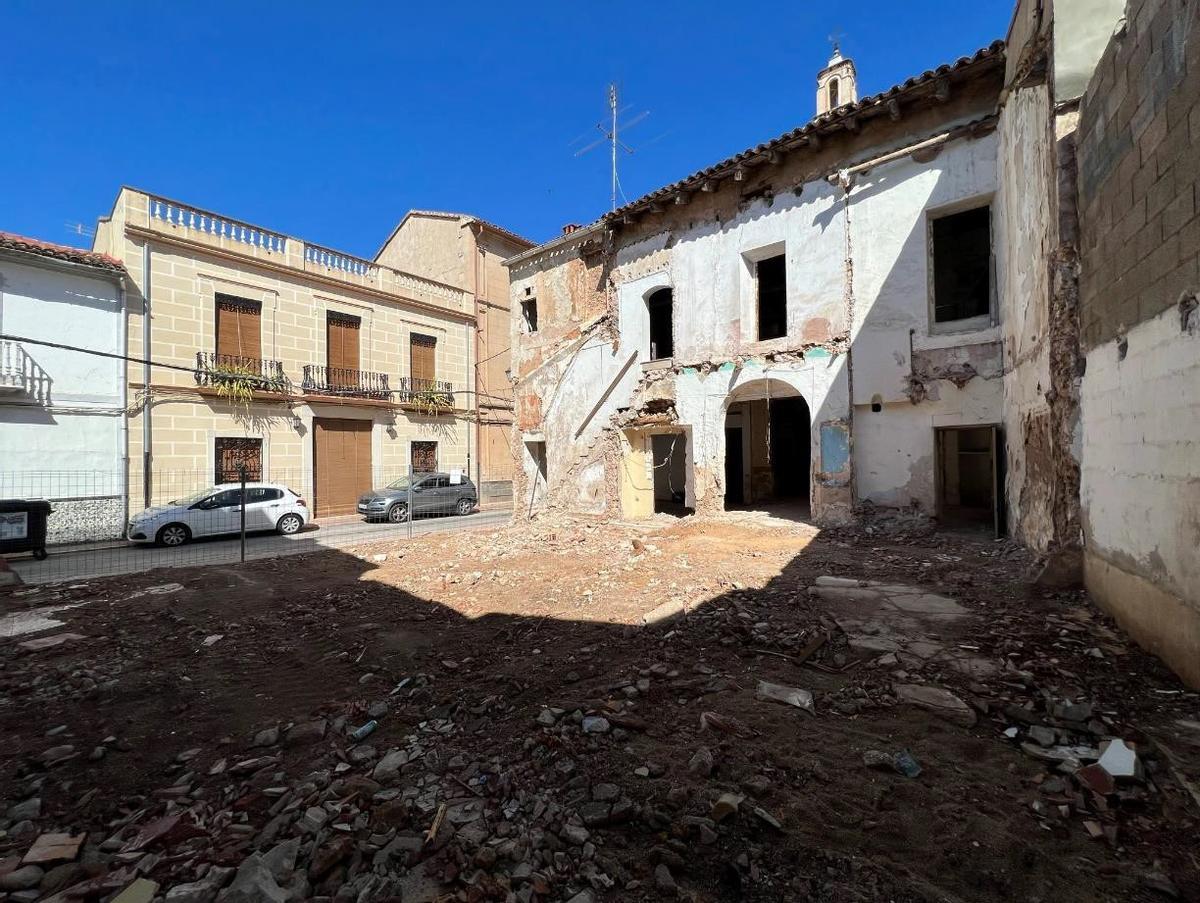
(969, 478)
(791, 449)
(670, 473)
(734, 491)
(662, 342)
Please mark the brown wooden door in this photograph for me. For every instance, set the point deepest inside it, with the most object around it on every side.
(239, 328)
(341, 336)
(422, 358)
(342, 464)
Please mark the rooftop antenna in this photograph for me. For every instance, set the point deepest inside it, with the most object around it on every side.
(79, 229)
(610, 130)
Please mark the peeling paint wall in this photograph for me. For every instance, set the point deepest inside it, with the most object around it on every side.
(856, 272)
(922, 375)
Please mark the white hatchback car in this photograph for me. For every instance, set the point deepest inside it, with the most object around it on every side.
(218, 510)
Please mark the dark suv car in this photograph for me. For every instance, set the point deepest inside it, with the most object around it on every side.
(432, 493)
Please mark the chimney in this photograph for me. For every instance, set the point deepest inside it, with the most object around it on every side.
(571, 227)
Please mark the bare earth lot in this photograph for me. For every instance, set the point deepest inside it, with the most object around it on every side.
(537, 741)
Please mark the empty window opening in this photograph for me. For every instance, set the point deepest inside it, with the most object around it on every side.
(969, 477)
(669, 452)
(876, 404)
(771, 276)
(833, 93)
(768, 452)
(962, 253)
(660, 306)
(529, 315)
(537, 452)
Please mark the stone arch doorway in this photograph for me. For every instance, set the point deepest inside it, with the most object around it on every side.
(768, 445)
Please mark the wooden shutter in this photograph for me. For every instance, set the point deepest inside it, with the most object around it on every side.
(342, 461)
(423, 357)
(239, 327)
(341, 335)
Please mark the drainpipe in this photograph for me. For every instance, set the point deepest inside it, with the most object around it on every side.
(121, 294)
(146, 439)
(477, 230)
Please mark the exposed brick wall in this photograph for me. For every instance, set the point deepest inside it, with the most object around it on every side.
(1139, 170)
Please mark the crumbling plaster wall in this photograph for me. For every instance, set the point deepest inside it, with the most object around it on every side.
(1139, 202)
(924, 376)
(1025, 237)
(705, 250)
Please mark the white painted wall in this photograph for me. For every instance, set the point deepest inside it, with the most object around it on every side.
(78, 427)
(1140, 472)
(889, 210)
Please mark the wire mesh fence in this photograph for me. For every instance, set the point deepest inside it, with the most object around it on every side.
(102, 524)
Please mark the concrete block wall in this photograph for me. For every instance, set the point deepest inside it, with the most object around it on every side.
(1139, 193)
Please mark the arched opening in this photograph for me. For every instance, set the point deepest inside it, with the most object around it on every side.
(768, 445)
(833, 93)
(660, 306)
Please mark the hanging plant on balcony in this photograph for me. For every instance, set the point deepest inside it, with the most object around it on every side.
(235, 383)
(431, 402)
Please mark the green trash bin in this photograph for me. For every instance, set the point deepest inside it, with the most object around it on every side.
(23, 526)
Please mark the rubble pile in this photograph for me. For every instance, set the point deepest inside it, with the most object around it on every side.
(805, 728)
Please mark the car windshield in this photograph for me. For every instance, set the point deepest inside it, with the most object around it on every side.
(192, 499)
(401, 483)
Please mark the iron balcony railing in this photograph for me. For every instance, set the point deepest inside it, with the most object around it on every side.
(219, 369)
(320, 380)
(425, 393)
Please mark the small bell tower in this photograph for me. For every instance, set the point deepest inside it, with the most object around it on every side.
(836, 83)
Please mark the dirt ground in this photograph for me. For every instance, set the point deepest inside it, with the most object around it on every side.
(547, 744)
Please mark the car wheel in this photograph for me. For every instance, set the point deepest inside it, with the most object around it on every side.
(289, 524)
(398, 513)
(173, 535)
(465, 506)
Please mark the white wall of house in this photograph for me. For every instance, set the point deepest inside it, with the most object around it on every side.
(890, 208)
(62, 416)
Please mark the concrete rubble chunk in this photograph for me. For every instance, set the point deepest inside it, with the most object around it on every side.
(253, 883)
(1120, 760)
(595, 724)
(701, 763)
(937, 700)
(306, 732)
(793, 696)
(49, 642)
(281, 859)
(23, 878)
(142, 890)
(388, 768)
(54, 848)
(726, 805)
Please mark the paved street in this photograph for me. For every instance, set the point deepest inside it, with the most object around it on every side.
(112, 558)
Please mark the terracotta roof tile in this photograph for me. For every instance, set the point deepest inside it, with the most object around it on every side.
(82, 256)
(994, 52)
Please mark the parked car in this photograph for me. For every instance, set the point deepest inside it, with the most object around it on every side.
(218, 510)
(432, 493)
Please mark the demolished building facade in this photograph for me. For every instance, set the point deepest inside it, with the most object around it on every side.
(813, 319)
(972, 297)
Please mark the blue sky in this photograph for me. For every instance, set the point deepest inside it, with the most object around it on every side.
(329, 121)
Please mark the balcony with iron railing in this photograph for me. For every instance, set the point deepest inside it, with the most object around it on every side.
(217, 370)
(428, 395)
(194, 224)
(339, 381)
(21, 375)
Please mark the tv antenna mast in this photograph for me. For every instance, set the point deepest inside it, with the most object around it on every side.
(79, 229)
(610, 131)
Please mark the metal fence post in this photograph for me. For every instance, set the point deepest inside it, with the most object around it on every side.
(410, 508)
(242, 475)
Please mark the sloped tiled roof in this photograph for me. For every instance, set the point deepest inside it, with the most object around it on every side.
(65, 253)
(885, 103)
(992, 54)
